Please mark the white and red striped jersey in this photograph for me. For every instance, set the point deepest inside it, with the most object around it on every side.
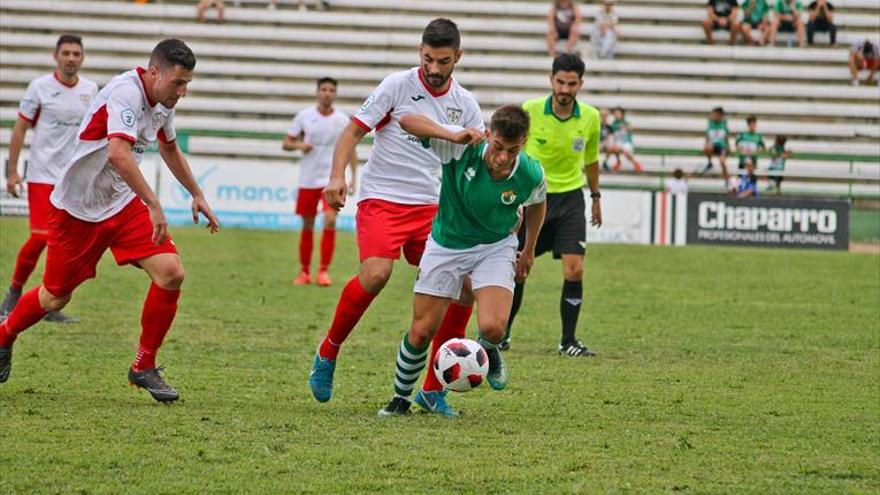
(89, 187)
(321, 131)
(55, 110)
(400, 169)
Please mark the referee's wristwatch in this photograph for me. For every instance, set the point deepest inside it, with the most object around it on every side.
(595, 195)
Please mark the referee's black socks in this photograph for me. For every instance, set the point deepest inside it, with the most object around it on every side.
(570, 308)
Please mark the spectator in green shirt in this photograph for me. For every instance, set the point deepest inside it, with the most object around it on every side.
(787, 19)
(750, 143)
(717, 141)
(754, 17)
(778, 155)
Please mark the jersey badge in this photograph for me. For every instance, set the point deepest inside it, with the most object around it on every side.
(157, 120)
(470, 173)
(85, 99)
(127, 117)
(578, 144)
(453, 115)
(508, 197)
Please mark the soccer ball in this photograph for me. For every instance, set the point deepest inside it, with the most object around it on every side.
(461, 365)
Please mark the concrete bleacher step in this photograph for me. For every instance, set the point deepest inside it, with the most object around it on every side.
(171, 14)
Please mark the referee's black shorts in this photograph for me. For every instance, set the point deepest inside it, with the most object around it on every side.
(565, 226)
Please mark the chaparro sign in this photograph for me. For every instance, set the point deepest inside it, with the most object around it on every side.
(777, 222)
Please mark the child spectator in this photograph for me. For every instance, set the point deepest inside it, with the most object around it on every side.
(754, 17)
(778, 155)
(750, 143)
(863, 56)
(623, 143)
(747, 185)
(717, 141)
(787, 19)
(606, 30)
(821, 20)
(721, 14)
(678, 184)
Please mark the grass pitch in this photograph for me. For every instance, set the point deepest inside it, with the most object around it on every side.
(720, 371)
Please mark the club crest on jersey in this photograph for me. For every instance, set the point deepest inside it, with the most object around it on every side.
(453, 115)
(578, 144)
(470, 173)
(508, 197)
(157, 121)
(85, 99)
(127, 117)
(367, 103)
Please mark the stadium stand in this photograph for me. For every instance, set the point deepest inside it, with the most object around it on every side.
(257, 70)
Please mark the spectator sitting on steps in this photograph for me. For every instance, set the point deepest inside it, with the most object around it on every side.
(563, 28)
(863, 56)
(821, 20)
(606, 30)
(721, 14)
(787, 18)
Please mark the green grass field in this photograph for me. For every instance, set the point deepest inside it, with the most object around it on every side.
(720, 371)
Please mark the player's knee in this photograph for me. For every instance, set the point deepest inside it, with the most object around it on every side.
(50, 302)
(170, 277)
(575, 272)
(493, 330)
(374, 278)
(308, 223)
(419, 335)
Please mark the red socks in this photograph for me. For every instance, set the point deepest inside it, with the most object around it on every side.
(159, 310)
(306, 243)
(453, 327)
(328, 244)
(27, 259)
(353, 303)
(26, 314)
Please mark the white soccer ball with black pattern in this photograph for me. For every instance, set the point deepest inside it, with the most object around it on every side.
(461, 365)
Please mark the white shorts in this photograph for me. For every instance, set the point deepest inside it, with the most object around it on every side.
(442, 270)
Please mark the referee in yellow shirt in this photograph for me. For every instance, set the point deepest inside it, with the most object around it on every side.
(564, 136)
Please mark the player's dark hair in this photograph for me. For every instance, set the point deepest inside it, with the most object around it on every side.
(68, 38)
(568, 62)
(868, 48)
(620, 109)
(678, 173)
(441, 33)
(751, 119)
(330, 80)
(781, 139)
(171, 52)
(718, 110)
(511, 122)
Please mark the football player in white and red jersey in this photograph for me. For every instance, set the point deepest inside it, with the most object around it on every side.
(53, 106)
(399, 191)
(314, 132)
(102, 200)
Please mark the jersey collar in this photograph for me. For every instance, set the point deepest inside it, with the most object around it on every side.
(66, 85)
(429, 89)
(515, 164)
(140, 72)
(548, 109)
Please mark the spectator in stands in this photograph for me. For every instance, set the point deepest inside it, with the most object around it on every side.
(678, 183)
(717, 141)
(204, 5)
(623, 143)
(321, 4)
(750, 143)
(563, 27)
(821, 20)
(606, 138)
(754, 17)
(778, 154)
(863, 56)
(606, 30)
(747, 184)
(787, 19)
(722, 14)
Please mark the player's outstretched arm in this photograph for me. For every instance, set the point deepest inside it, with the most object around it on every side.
(335, 191)
(422, 127)
(13, 178)
(177, 164)
(534, 216)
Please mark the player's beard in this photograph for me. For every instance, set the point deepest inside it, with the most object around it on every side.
(437, 81)
(563, 100)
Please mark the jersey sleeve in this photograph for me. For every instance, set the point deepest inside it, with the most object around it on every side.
(378, 105)
(447, 151)
(168, 133)
(122, 115)
(591, 150)
(539, 193)
(29, 107)
(296, 127)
